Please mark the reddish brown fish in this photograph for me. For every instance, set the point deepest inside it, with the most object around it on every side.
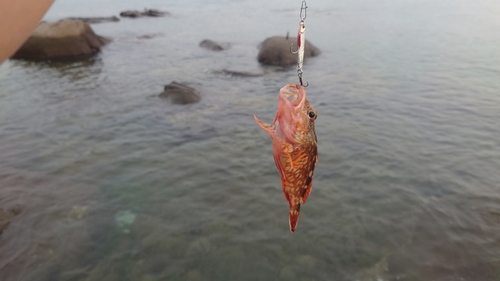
(294, 146)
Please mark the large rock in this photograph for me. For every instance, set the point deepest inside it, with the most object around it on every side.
(61, 40)
(276, 51)
(180, 94)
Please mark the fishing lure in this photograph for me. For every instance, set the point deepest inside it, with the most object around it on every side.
(301, 41)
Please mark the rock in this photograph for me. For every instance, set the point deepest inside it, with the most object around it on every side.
(276, 51)
(76, 213)
(131, 14)
(61, 40)
(97, 19)
(124, 220)
(233, 73)
(180, 94)
(211, 45)
(147, 13)
(155, 13)
(149, 36)
(39, 229)
(5, 218)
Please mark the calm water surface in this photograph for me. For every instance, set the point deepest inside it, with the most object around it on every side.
(116, 184)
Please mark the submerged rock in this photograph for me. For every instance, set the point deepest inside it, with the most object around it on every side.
(235, 73)
(180, 94)
(62, 40)
(146, 13)
(276, 51)
(149, 36)
(211, 45)
(124, 220)
(131, 14)
(97, 19)
(155, 13)
(5, 218)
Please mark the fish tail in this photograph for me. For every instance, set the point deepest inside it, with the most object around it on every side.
(294, 216)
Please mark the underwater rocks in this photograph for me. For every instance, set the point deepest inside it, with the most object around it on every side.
(211, 45)
(276, 51)
(146, 13)
(5, 218)
(64, 40)
(235, 73)
(93, 20)
(180, 94)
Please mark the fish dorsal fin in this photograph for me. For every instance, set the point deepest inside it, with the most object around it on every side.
(269, 128)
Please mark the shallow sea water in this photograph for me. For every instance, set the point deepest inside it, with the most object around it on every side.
(116, 184)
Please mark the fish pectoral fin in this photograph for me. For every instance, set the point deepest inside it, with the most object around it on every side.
(269, 128)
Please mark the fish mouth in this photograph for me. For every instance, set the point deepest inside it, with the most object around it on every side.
(294, 95)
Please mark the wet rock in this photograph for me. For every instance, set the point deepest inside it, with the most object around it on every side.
(234, 73)
(211, 45)
(155, 13)
(93, 20)
(131, 14)
(149, 36)
(5, 218)
(180, 94)
(146, 13)
(61, 40)
(276, 51)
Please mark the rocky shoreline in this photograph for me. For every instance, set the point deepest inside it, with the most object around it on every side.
(72, 39)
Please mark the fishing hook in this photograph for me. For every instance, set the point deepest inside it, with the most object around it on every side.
(299, 73)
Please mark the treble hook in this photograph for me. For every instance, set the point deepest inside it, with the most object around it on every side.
(291, 49)
(299, 73)
(302, 84)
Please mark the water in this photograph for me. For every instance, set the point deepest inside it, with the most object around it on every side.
(116, 184)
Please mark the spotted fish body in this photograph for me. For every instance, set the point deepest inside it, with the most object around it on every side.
(294, 146)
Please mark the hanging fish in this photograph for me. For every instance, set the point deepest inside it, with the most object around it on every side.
(294, 146)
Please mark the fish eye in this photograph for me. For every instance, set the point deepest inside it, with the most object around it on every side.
(312, 114)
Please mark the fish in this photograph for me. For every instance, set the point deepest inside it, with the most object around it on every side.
(295, 149)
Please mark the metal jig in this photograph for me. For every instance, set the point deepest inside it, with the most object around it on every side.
(301, 41)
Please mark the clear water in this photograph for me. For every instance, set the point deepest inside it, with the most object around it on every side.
(116, 184)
